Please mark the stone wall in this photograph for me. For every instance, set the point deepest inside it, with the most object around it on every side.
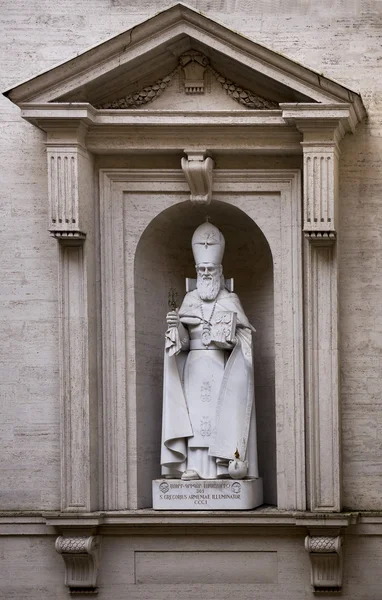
(343, 42)
(338, 39)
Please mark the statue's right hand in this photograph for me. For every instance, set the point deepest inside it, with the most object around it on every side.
(172, 318)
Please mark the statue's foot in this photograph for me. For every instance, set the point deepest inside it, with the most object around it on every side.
(190, 475)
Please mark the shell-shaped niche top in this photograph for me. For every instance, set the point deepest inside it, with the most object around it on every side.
(194, 72)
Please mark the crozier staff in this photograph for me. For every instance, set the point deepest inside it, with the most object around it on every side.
(208, 391)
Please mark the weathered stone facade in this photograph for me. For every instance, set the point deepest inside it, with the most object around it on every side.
(260, 554)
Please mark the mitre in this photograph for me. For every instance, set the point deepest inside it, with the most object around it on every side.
(208, 244)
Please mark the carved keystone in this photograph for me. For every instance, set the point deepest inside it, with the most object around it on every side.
(81, 556)
(198, 171)
(326, 562)
(194, 65)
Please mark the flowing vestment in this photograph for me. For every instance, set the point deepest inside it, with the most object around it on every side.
(208, 395)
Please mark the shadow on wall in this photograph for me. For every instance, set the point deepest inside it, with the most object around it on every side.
(163, 260)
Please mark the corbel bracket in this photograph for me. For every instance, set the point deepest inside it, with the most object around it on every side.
(81, 557)
(325, 554)
(198, 171)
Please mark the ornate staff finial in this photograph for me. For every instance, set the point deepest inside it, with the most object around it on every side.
(172, 297)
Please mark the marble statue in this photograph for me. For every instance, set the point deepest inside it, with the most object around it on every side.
(208, 428)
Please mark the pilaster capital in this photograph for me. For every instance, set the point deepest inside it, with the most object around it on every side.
(61, 133)
(198, 169)
(323, 127)
(320, 122)
(69, 180)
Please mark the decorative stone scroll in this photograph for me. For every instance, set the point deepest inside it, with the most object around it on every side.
(81, 557)
(198, 171)
(325, 554)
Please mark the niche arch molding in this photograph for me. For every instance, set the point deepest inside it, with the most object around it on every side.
(129, 200)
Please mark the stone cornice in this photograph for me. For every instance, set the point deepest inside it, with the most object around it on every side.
(256, 521)
(178, 26)
(288, 129)
(264, 516)
(42, 113)
(301, 115)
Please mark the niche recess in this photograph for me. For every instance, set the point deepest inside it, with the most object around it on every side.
(146, 227)
(163, 260)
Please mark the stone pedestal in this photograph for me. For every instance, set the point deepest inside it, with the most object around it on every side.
(208, 494)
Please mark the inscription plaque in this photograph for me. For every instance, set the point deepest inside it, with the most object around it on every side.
(207, 494)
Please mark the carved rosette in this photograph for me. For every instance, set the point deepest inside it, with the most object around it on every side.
(325, 554)
(81, 557)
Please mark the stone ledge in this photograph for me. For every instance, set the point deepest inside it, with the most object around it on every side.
(262, 519)
(264, 515)
(261, 514)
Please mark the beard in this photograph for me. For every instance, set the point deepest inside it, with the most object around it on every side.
(208, 289)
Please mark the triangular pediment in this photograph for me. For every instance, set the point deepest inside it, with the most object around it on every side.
(148, 65)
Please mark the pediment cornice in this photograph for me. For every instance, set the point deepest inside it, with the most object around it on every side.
(136, 59)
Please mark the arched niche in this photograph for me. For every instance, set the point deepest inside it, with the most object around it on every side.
(146, 224)
(163, 259)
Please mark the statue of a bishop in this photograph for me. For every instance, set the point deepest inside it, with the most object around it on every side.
(208, 398)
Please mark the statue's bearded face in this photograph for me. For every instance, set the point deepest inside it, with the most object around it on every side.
(208, 280)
